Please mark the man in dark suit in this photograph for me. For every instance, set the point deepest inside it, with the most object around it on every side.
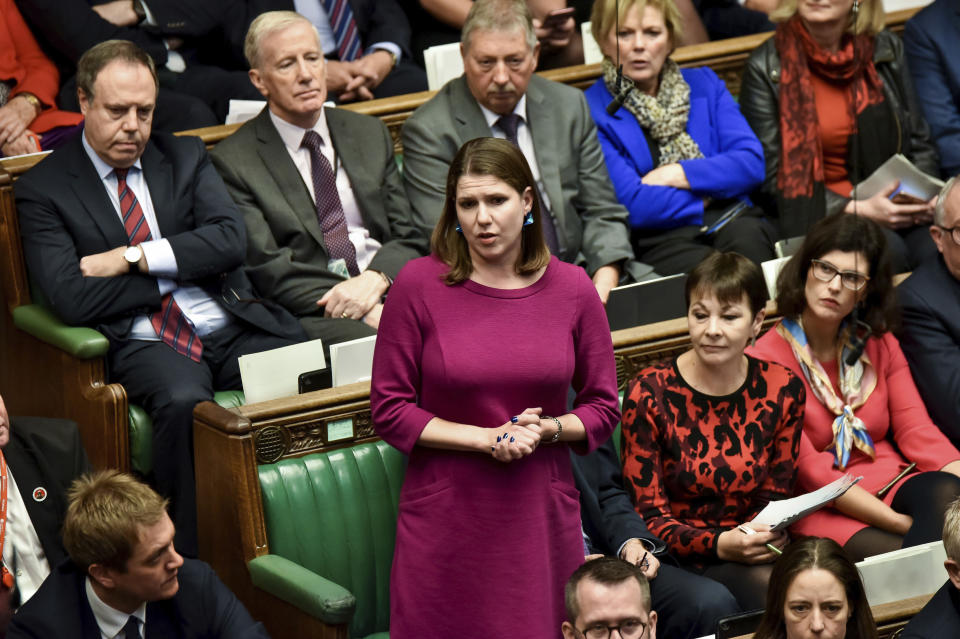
(162, 278)
(930, 305)
(499, 95)
(191, 43)
(378, 63)
(124, 578)
(289, 205)
(43, 456)
(931, 40)
(941, 616)
(688, 605)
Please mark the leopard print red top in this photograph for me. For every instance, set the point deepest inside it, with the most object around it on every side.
(696, 465)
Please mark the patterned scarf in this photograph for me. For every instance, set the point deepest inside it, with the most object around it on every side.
(801, 160)
(856, 384)
(664, 116)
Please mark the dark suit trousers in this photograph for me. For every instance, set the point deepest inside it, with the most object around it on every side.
(406, 77)
(333, 330)
(168, 386)
(688, 605)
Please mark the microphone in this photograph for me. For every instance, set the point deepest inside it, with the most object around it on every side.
(618, 101)
(622, 94)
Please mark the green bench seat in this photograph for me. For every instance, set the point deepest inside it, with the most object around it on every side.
(331, 520)
(87, 343)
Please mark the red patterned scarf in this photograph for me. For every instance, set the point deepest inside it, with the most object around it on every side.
(801, 162)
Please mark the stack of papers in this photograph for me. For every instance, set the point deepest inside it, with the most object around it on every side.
(780, 514)
(904, 573)
(898, 168)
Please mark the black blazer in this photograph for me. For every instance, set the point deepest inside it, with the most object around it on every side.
(45, 453)
(203, 608)
(605, 508)
(65, 214)
(930, 306)
(939, 619)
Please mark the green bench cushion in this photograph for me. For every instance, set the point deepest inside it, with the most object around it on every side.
(303, 588)
(141, 431)
(335, 514)
(79, 341)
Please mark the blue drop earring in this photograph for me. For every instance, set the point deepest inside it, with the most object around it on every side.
(528, 220)
(458, 229)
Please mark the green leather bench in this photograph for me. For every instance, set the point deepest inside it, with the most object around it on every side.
(87, 343)
(331, 520)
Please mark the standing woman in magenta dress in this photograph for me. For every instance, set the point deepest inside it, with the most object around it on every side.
(478, 346)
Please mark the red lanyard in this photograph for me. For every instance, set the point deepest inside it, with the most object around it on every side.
(6, 576)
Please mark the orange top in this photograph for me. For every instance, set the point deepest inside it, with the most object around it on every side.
(835, 114)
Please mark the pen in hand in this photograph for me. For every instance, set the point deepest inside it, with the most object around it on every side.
(750, 531)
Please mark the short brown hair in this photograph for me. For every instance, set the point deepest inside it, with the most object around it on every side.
(951, 530)
(503, 160)
(106, 512)
(870, 18)
(850, 234)
(808, 554)
(729, 276)
(604, 17)
(98, 56)
(609, 571)
(500, 16)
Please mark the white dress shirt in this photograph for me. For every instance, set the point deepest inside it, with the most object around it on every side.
(292, 136)
(524, 141)
(22, 553)
(202, 311)
(313, 11)
(110, 620)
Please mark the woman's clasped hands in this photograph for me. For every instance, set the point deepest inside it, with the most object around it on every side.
(517, 438)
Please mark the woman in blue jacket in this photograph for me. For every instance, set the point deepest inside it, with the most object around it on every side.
(679, 152)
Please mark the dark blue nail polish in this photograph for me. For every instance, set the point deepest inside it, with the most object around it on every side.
(493, 448)
(498, 438)
(511, 440)
(515, 419)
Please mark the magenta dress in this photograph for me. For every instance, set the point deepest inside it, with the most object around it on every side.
(483, 547)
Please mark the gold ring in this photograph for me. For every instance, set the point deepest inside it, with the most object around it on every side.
(343, 316)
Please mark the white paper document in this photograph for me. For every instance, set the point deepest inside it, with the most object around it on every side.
(913, 181)
(275, 373)
(352, 361)
(904, 573)
(780, 514)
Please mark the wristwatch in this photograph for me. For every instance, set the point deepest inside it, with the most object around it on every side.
(33, 100)
(139, 10)
(132, 255)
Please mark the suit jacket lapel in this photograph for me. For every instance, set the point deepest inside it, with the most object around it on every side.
(92, 196)
(163, 620)
(470, 121)
(159, 176)
(284, 172)
(43, 514)
(543, 130)
(347, 144)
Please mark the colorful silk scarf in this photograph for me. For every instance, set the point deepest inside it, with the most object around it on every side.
(856, 384)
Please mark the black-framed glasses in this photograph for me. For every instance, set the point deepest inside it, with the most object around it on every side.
(825, 272)
(628, 629)
(954, 232)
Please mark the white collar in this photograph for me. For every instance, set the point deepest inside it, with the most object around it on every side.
(110, 620)
(103, 169)
(520, 109)
(292, 135)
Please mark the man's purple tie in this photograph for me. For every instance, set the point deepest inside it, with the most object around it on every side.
(344, 28)
(509, 124)
(169, 322)
(333, 223)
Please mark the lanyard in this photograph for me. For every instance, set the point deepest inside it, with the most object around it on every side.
(4, 572)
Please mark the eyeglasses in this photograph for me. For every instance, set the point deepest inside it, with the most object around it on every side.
(825, 272)
(954, 232)
(628, 629)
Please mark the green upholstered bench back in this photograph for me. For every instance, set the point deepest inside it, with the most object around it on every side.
(335, 513)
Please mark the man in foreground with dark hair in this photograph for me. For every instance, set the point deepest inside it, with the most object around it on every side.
(124, 578)
(606, 594)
